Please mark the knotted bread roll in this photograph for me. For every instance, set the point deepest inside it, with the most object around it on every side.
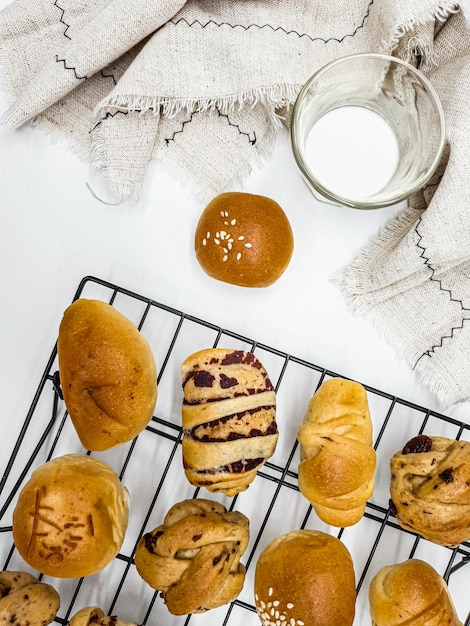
(26, 600)
(193, 558)
(430, 489)
(229, 419)
(94, 616)
(337, 460)
(411, 593)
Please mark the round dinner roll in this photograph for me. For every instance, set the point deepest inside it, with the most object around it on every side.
(70, 517)
(305, 578)
(244, 239)
(107, 374)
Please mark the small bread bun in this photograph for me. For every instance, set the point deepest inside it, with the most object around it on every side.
(94, 616)
(244, 239)
(193, 558)
(107, 374)
(70, 517)
(305, 578)
(430, 489)
(26, 600)
(229, 419)
(410, 593)
(336, 471)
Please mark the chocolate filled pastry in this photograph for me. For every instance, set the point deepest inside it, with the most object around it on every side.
(70, 517)
(337, 460)
(430, 489)
(94, 616)
(24, 600)
(193, 558)
(229, 419)
(411, 593)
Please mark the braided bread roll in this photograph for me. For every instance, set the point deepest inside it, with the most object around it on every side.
(229, 419)
(94, 616)
(337, 460)
(193, 558)
(430, 489)
(26, 600)
(410, 593)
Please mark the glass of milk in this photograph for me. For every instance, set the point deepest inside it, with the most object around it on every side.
(367, 131)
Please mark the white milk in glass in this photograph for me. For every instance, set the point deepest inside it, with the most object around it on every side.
(352, 151)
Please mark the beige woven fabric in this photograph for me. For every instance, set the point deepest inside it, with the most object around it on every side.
(203, 86)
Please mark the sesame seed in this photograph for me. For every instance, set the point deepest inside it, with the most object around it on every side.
(270, 591)
(233, 222)
(208, 235)
(229, 245)
(225, 258)
(276, 603)
(239, 256)
(248, 245)
(241, 238)
(226, 214)
(290, 605)
(217, 241)
(300, 622)
(292, 622)
(222, 214)
(204, 242)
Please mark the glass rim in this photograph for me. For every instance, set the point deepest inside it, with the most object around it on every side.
(328, 194)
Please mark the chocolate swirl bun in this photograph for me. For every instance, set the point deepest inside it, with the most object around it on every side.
(94, 616)
(193, 558)
(26, 600)
(430, 489)
(229, 419)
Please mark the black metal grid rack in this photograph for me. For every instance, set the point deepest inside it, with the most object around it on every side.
(151, 468)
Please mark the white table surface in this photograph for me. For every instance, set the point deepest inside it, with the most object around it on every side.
(54, 232)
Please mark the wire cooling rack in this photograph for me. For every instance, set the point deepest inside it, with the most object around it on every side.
(151, 469)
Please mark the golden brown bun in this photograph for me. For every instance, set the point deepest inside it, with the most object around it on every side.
(430, 489)
(193, 558)
(107, 374)
(70, 517)
(94, 616)
(229, 419)
(26, 600)
(244, 239)
(305, 577)
(410, 593)
(337, 460)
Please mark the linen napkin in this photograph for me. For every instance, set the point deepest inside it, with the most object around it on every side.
(203, 87)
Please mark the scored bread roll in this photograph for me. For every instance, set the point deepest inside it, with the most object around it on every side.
(229, 419)
(337, 460)
(244, 239)
(410, 593)
(305, 578)
(70, 517)
(430, 488)
(25, 600)
(193, 558)
(107, 374)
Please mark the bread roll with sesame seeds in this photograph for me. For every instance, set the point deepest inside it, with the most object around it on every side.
(244, 239)
(305, 578)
